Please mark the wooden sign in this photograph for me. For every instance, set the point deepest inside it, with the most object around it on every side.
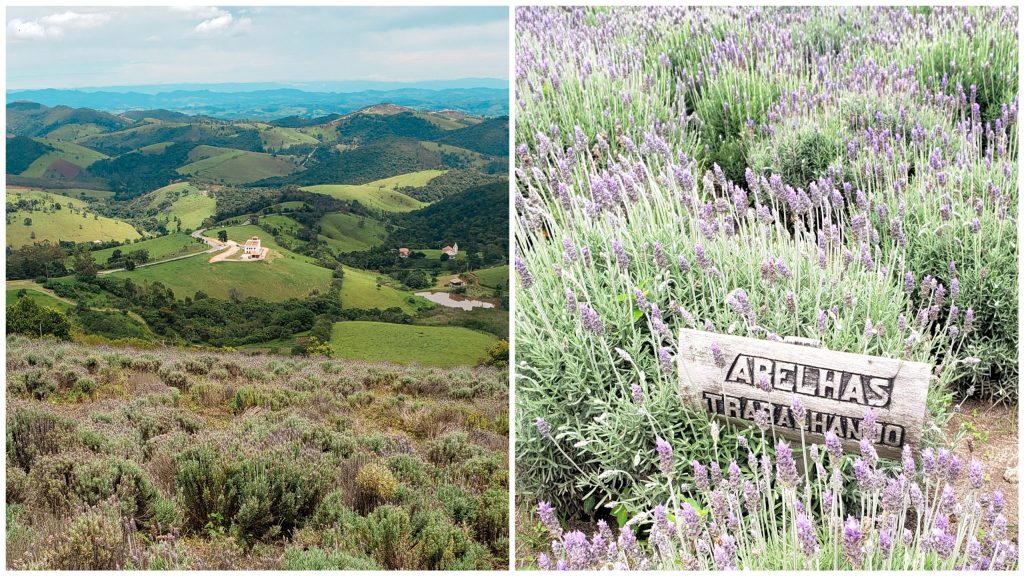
(726, 375)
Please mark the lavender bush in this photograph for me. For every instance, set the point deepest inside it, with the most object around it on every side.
(772, 517)
(847, 175)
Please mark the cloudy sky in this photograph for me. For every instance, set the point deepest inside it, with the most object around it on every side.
(116, 46)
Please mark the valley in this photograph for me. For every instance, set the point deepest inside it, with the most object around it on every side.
(134, 226)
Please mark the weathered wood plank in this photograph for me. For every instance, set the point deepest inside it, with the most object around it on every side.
(835, 388)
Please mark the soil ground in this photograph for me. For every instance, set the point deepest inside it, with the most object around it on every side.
(991, 434)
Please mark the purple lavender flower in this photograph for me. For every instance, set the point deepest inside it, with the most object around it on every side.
(975, 226)
(806, 535)
(700, 476)
(659, 256)
(524, 275)
(691, 520)
(684, 265)
(885, 543)
(570, 253)
(868, 425)
(852, 537)
(637, 393)
(785, 464)
(968, 320)
(717, 354)
(577, 550)
(762, 419)
(543, 428)
(833, 447)
(799, 411)
(620, 254)
(975, 474)
(543, 562)
(822, 322)
(665, 359)
(701, 256)
(664, 450)
(591, 319)
(548, 518)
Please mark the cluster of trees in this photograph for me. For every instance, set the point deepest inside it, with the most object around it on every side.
(373, 161)
(448, 184)
(205, 320)
(136, 173)
(127, 260)
(41, 260)
(25, 316)
(22, 152)
(478, 217)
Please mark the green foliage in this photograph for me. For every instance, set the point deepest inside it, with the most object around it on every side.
(33, 433)
(319, 559)
(25, 316)
(22, 152)
(375, 485)
(93, 541)
(259, 496)
(450, 448)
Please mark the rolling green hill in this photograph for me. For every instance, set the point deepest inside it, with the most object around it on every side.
(409, 344)
(343, 232)
(238, 167)
(359, 290)
(275, 279)
(74, 221)
(182, 200)
(159, 248)
(375, 197)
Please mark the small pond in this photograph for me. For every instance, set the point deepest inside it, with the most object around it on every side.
(454, 300)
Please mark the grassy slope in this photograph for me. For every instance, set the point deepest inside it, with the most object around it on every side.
(36, 293)
(413, 179)
(405, 344)
(159, 248)
(275, 279)
(192, 207)
(359, 290)
(277, 138)
(238, 167)
(342, 232)
(378, 198)
(62, 224)
(69, 151)
(493, 277)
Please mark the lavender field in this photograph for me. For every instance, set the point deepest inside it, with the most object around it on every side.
(174, 459)
(848, 175)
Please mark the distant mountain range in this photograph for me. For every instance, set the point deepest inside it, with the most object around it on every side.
(267, 101)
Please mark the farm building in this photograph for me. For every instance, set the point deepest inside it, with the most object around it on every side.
(451, 251)
(253, 247)
(403, 252)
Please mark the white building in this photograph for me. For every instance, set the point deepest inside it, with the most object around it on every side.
(252, 246)
(451, 251)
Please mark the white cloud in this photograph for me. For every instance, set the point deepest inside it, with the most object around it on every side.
(54, 25)
(223, 24)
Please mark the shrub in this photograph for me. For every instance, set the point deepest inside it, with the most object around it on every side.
(450, 448)
(61, 481)
(387, 536)
(32, 433)
(461, 507)
(86, 385)
(491, 522)
(334, 513)
(174, 378)
(259, 496)
(318, 559)
(17, 485)
(376, 485)
(93, 542)
(36, 383)
(409, 469)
